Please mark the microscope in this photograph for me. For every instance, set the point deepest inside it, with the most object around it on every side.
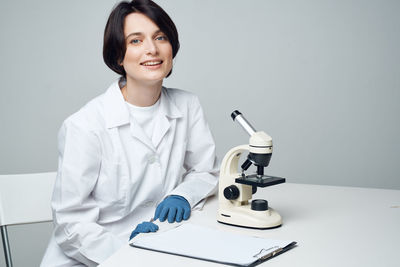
(236, 189)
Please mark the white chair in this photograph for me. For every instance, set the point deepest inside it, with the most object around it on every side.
(24, 198)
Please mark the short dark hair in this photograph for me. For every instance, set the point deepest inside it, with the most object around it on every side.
(114, 46)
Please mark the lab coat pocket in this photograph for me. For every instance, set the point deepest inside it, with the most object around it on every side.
(110, 191)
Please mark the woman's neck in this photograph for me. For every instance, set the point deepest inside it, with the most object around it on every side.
(140, 94)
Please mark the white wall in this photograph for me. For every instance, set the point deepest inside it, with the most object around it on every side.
(321, 77)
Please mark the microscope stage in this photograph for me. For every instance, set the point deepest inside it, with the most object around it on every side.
(264, 181)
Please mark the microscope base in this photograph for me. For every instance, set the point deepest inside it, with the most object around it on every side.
(248, 227)
(245, 217)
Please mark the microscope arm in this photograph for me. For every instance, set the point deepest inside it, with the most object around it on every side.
(230, 162)
(229, 173)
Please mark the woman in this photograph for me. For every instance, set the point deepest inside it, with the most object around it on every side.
(122, 155)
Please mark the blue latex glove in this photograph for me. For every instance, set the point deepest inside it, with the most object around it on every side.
(144, 227)
(175, 207)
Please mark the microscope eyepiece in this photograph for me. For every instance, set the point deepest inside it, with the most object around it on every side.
(237, 116)
(235, 113)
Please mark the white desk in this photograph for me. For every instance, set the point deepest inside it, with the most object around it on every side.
(334, 226)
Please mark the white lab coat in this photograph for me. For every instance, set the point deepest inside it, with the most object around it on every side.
(111, 175)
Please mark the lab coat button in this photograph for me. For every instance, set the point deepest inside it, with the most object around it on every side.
(148, 204)
(152, 159)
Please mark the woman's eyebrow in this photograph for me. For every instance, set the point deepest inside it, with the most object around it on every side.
(133, 33)
(141, 33)
(157, 32)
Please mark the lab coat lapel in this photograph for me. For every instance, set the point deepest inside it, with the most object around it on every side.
(165, 118)
(138, 133)
(161, 127)
(116, 114)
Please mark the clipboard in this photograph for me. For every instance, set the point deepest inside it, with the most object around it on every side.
(203, 243)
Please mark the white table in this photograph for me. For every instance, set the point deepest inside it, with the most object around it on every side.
(334, 226)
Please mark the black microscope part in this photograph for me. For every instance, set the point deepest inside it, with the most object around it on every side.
(246, 165)
(234, 114)
(260, 170)
(253, 189)
(264, 181)
(260, 159)
(259, 204)
(231, 192)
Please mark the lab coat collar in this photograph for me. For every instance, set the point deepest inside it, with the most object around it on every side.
(117, 114)
(162, 124)
(167, 106)
(115, 111)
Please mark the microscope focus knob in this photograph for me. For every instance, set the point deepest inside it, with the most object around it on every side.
(231, 192)
(259, 204)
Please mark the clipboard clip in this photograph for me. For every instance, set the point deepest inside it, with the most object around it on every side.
(262, 256)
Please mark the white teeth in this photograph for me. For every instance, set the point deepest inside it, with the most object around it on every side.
(151, 63)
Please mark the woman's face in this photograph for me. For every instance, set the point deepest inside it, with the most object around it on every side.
(148, 55)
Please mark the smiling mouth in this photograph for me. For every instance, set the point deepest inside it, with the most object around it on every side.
(152, 63)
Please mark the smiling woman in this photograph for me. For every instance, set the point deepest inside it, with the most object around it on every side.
(115, 34)
(121, 156)
(148, 56)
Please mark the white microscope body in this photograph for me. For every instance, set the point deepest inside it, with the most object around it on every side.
(236, 189)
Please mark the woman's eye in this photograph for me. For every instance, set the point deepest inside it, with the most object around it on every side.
(135, 41)
(161, 38)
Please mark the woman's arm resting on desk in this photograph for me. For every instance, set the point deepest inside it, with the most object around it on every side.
(200, 179)
(75, 211)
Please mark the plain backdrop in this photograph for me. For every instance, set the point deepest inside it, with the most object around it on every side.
(321, 77)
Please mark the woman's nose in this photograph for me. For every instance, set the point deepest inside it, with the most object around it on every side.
(151, 48)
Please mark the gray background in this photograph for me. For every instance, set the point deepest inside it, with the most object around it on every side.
(321, 77)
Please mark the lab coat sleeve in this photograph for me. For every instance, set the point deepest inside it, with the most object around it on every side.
(201, 164)
(75, 212)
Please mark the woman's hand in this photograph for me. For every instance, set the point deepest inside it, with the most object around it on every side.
(144, 227)
(175, 207)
